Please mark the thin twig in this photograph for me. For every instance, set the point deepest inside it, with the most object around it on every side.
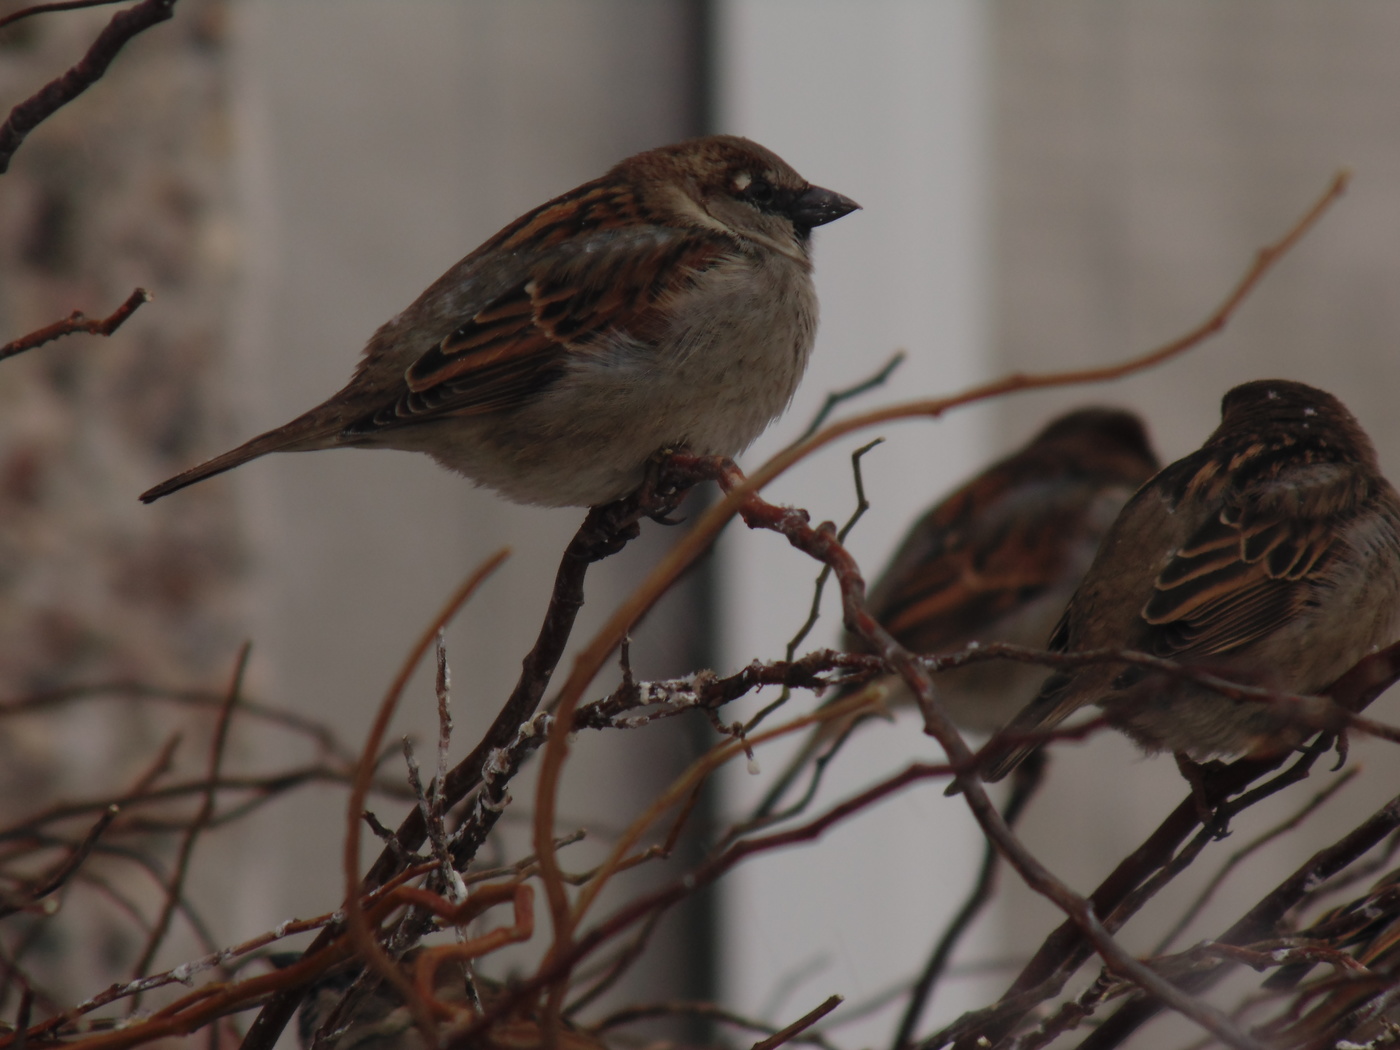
(34, 110)
(836, 398)
(268, 786)
(26, 1004)
(175, 890)
(361, 936)
(615, 968)
(58, 5)
(437, 804)
(814, 611)
(712, 1011)
(41, 701)
(70, 864)
(77, 321)
(799, 1026)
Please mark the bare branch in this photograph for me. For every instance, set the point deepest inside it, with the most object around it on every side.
(839, 397)
(77, 321)
(197, 825)
(58, 5)
(799, 1026)
(64, 871)
(53, 96)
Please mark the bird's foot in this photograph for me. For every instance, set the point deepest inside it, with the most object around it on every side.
(1215, 819)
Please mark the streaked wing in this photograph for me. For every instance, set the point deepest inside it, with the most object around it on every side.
(1235, 581)
(980, 571)
(591, 286)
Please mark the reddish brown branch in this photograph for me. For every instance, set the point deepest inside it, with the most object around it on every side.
(357, 923)
(562, 962)
(605, 531)
(77, 321)
(56, 94)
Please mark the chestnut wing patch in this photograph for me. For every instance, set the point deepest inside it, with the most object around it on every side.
(1235, 582)
(520, 342)
(972, 581)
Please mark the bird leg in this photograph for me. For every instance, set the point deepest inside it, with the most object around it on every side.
(673, 472)
(1215, 820)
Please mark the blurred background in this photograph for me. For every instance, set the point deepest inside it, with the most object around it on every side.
(1044, 186)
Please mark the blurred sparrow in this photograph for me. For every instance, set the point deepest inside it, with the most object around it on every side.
(997, 560)
(1270, 557)
(667, 304)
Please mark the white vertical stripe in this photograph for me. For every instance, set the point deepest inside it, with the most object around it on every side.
(884, 101)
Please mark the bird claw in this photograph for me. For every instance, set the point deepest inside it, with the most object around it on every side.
(1215, 819)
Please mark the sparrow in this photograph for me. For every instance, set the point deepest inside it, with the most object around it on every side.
(668, 304)
(996, 561)
(1270, 557)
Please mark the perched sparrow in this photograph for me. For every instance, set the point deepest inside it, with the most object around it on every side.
(667, 304)
(997, 560)
(1270, 557)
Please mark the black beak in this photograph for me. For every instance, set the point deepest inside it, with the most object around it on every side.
(817, 207)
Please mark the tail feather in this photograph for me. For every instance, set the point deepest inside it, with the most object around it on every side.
(293, 437)
(1051, 707)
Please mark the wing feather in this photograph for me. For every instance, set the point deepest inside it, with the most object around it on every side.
(1235, 581)
(610, 282)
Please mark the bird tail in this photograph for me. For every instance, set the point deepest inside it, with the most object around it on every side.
(293, 437)
(1014, 743)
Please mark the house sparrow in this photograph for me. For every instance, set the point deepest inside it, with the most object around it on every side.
(997, 560)
(667, 304)
(1270, 557)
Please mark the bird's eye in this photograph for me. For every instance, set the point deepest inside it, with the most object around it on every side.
(759, 192)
